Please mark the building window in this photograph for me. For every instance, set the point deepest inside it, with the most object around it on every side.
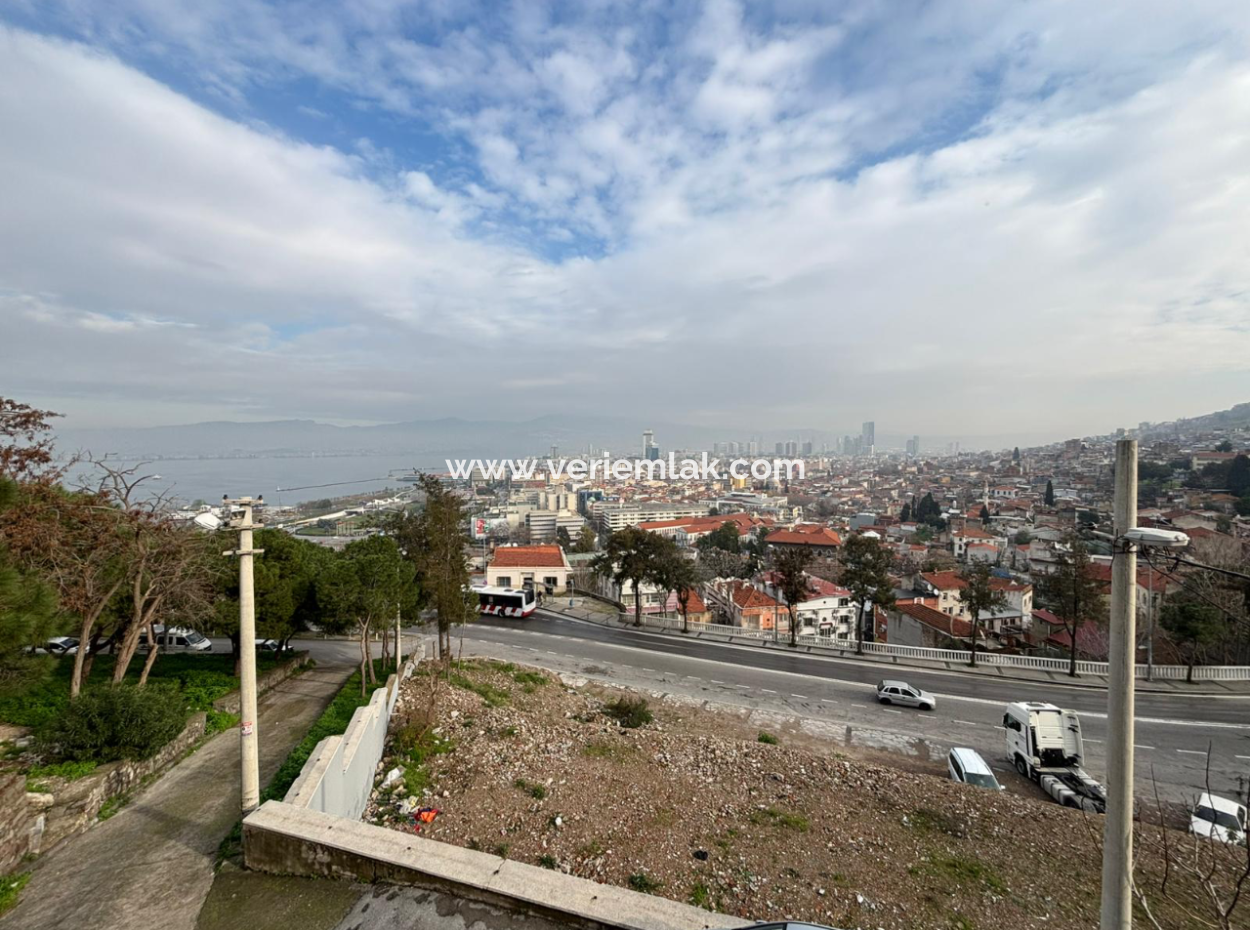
(504, 581)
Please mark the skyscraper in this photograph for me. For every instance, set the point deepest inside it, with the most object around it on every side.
(648, 440)
(869, 436)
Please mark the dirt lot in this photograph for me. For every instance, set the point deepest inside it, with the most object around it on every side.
(693, 806)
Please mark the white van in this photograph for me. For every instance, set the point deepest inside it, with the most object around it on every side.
(179, 639)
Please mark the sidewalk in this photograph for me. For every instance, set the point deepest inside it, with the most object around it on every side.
(613, 621)
(152, 864)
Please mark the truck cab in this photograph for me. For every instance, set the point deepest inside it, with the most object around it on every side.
(1042, 736)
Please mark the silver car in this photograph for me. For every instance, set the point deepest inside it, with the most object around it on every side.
(903, 694)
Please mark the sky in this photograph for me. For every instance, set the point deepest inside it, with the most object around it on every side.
(954, 217)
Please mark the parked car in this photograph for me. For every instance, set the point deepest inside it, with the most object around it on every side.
(179, 639)
(268, 645)
(1220, 819)
(967, 766)
(900, 692)
(57, 646)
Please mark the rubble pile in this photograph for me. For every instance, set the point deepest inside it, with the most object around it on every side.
(693, 808)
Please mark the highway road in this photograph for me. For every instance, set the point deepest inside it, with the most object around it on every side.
(835, 697)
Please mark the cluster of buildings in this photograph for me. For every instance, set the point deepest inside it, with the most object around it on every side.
(936, 515)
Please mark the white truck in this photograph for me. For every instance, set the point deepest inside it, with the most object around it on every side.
(1044, 743)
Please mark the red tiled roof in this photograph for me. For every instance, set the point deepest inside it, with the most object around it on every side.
(950, 581)
(819, 536)
(951, 626)
(528, 557)
(748, 597)
(694, 604)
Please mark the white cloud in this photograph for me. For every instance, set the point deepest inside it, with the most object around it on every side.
(1065, 228)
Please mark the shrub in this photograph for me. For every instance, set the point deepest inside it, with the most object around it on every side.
(641, 881)
(768, 738)
(116, 722)
(70, 771)
(630, 713)
(10, 887)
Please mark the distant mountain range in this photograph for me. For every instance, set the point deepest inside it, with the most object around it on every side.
(427, 440)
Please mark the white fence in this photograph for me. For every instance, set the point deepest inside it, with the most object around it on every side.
(338, 777)
(944, 656)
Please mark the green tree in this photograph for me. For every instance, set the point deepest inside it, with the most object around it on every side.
(436, 540)
(1223, 524)
(368, 582)
(563, 539)
(979, 597)
(1239, 476)
(1015, 455)
(724, 537)
(1023, 538)
(1049, 499)
(1224, 446)
(905, 516)
(28, 605)
(866, 574)
(670, 568)
(1192, 624)
(685, 582)
(629, 555)
(1072, 592)
(586, 539)
(985, 515)
(790, 569)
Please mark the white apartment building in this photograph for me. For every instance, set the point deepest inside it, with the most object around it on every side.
(610, 516)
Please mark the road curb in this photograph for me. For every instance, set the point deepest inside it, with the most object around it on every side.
(749, 642)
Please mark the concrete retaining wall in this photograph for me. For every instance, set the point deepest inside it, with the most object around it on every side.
(230, 703)
(288, 840)
(338, 777)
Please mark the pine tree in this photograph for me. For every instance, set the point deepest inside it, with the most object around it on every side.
(1050, 493)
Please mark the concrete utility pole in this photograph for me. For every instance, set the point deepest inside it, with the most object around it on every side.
(248, 737)
(1117, 843)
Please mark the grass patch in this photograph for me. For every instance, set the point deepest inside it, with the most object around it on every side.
(784, 819)
(967, 871)
(768, 738)
(215, 721)
(67, 770)
(700, 896)
(417, 745)
(592, 850)
(538, 792)
(529, 678)
(10, 887)
(641, 881)
(630, 713)
(494, 697)
(548, 861)
(602, 749)
(112, 806)
(501, 850)
(35, 701)
(926, 820)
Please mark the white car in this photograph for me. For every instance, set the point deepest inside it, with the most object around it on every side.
(967, 766)
(1220, 819)
(57, 646)
(900, 692)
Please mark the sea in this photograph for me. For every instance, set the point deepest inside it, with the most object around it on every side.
(287, 479)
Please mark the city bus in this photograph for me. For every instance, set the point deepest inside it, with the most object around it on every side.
(505, 602)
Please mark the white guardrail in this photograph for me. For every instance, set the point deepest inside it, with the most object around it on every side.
(949, 656)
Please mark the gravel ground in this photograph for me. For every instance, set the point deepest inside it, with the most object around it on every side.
(694, 806)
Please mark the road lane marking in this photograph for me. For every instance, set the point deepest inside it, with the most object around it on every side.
(828, 701)
(715, 682)
(967, 723)
(1091, 740)
(825, 679)
(801, 697)
(768, 690)
(1193, 752)
(1241, 757)
(1145, 747)
(891, 711)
